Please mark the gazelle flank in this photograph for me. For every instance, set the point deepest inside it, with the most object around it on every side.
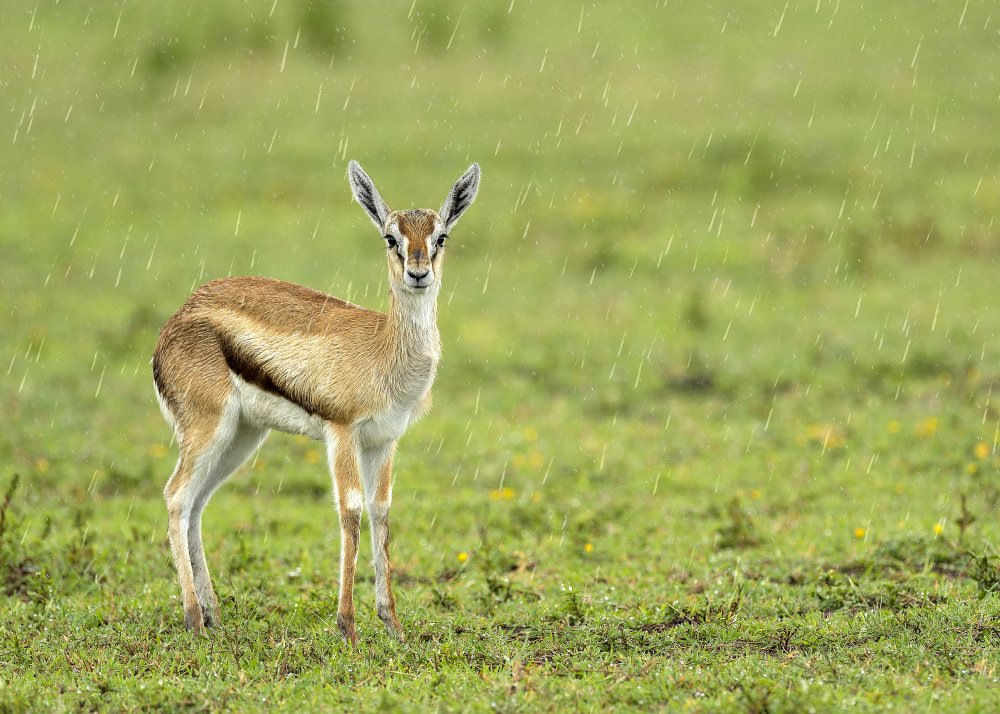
(245, 355)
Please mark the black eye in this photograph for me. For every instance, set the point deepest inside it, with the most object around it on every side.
(440, 240)
(390, 241)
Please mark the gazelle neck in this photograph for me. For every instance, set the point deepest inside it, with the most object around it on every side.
(413, 322)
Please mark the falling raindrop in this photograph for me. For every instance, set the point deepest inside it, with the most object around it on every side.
(781, 20)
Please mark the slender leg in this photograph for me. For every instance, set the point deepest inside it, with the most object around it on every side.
(209, 603)
(342, 454)
(376, 466)
(245, 442)
(178, 522)
(204, 445)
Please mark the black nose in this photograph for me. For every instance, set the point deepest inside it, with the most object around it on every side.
(415, 276)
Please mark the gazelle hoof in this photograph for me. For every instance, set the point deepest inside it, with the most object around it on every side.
(211, 618)
(393, 627)
(346, 627)
(194, 620)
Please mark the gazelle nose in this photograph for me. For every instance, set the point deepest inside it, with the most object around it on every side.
(416, 276)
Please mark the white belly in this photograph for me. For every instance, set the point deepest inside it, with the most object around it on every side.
(273, 412)
(385, 427)
(264, 409)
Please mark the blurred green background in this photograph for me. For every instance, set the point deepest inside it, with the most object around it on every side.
(657, 177)
(728, 261)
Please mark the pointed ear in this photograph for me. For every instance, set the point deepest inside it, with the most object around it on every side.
(367, 195)
(461, 196)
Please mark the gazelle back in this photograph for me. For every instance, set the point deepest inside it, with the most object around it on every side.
(245, 355)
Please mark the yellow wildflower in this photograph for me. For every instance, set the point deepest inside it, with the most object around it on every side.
(982, 450)
(530, 434)
(894, 426)
(462, 557)
(938, 528)
(588, 548)
(41, 464)
(502, 494)
(312, 456)
(860, 533)
(157, 451)
(927, 428)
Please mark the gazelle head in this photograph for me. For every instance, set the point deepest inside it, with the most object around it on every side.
(414, 239)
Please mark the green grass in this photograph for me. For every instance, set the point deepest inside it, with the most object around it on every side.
(716, 425)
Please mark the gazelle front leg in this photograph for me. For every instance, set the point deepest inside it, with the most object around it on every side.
(342, 454)
(376, 466)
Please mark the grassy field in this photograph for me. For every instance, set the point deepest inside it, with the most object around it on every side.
(715, 427)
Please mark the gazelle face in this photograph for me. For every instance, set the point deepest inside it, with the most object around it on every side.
(415, 243)
(414, 239)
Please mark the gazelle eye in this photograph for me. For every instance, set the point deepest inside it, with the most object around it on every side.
(390, 241)
(440, 240)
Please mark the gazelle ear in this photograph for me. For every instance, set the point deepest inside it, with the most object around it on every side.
(461, 196)
(367, 195)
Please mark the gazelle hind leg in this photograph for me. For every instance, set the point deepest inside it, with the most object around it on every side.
(376, 469)
(178, 518)
(202, 450)
(244, 443)
(342, 455)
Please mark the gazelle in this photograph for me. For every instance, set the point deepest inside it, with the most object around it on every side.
(245, 355)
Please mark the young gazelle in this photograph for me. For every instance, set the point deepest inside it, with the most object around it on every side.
(246, 355)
